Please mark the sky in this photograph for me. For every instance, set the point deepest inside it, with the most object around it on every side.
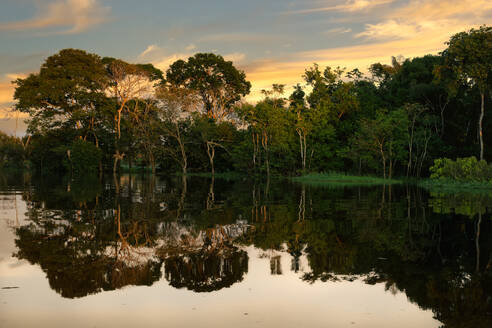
(273, 41)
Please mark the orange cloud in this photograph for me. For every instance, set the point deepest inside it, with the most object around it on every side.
(431, 17)
(289, 71)
(421, 27)
(10, 122)
(6, 93)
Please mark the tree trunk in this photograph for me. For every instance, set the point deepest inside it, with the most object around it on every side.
(254, 150)
(410, 148)
(184, 159)
(305, 152)
(267, 157)
(299, 132)
(258, 153)
(424, 154)
(383, 158)
(211, 155)
(482, 110)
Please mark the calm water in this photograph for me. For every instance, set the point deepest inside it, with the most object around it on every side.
(168, 252)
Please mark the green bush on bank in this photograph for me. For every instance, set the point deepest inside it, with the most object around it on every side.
(467, 169)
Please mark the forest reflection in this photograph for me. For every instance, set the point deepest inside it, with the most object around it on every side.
(196, 233)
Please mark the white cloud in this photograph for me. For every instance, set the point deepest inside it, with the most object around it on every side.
(389, 29)
(160, 58)
(67, 16)
(338, 30)
(149, 50)
(346, 6)
(164, 62)
(235, 57)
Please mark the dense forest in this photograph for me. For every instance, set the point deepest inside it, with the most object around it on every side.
(93, 114)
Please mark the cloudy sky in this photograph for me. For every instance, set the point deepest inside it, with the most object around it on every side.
(272, 40)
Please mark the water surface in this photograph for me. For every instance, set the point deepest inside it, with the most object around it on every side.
(174, 252)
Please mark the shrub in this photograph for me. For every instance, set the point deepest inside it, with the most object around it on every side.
(463, 169)
(84, 157)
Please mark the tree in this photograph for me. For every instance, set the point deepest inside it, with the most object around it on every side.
(218, 82)
(469, 55)
(214, 135)
(127, 82)
(146, 128)
(68, 95)
(67, 91)
(303, 126)
(270, 127)
(382, 73)
(386, 137)
(174, 107)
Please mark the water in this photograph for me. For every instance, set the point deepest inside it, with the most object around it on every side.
(143, 252)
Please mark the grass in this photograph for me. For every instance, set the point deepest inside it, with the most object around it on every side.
(341, 179)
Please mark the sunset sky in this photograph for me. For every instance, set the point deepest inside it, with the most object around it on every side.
(273, 41)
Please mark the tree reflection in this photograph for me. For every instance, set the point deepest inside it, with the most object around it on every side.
(435, 247)
(206, 271)
(88, 242)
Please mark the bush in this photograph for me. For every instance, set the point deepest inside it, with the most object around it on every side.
(463, 169)
(84, 157)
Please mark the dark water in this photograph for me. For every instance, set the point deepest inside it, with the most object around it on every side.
(169, 252)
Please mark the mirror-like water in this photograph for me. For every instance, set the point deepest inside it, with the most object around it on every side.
(200, 252)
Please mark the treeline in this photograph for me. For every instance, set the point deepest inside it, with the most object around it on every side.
(88, 113)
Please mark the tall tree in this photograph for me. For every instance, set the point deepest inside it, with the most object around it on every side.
(174, 107)
(66, 92)
(128, 82)
(469, 54)
(385, 137)
(218, 82)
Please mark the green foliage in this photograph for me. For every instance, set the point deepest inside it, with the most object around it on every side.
(463, 169)
(394, 123)
(384, 137)
(65, 92)
(11, 152)
(469, 54)
(83, 157)
(218, 82)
